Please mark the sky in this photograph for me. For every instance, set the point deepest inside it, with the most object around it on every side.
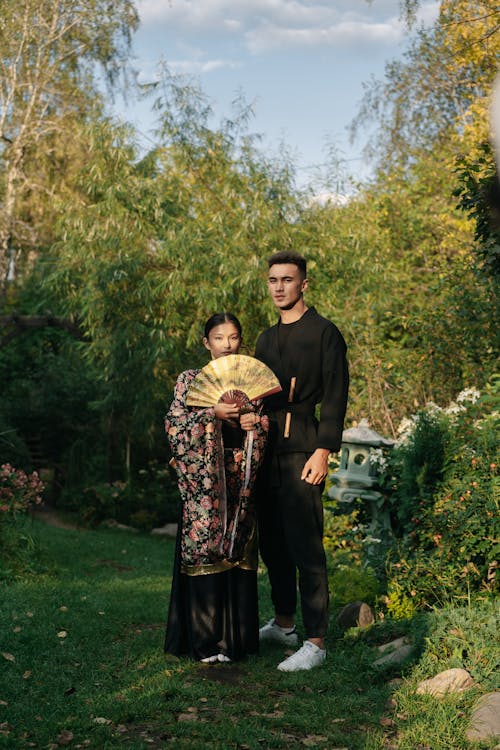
(301, 64)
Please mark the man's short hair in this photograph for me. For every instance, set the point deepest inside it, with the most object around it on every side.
(289, 256)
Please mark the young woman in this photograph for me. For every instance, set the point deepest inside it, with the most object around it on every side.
(213, 614)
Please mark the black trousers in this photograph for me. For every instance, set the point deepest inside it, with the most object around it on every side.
(291, 540)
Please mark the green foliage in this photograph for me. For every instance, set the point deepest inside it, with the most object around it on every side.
(350, 575)
(148, 500)
(49, 392)
(418, 466)
(479, 193)
(51, 55)
(349, 583)
(467, 638)
(451, 553)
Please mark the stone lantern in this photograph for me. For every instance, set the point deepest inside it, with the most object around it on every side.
(357, 476)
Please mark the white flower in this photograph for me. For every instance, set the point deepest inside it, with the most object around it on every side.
(371, 540)
(406, 426)
(377, 459)
(469, 394)
(454, 408)
(432, 408)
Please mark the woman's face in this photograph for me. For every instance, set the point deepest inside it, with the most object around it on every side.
(222, 340)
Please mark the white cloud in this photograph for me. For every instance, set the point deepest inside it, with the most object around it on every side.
(345, 33)
(427, 13)
(263, 25)
(203, 13)
(149, 70)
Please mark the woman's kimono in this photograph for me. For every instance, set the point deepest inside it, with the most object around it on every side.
(213, 604)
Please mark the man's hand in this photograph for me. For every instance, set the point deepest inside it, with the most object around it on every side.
(316, 467)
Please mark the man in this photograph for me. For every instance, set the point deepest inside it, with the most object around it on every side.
(308, 355)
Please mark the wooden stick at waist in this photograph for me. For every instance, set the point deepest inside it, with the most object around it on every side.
(288, 417)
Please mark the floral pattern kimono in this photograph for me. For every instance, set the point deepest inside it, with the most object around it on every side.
(218, 511)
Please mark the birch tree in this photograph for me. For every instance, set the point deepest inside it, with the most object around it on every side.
(49, 56)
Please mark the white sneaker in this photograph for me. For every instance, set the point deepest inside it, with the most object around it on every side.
(308, 656)
(272, 633)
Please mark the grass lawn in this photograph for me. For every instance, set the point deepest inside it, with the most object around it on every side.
(82, 665)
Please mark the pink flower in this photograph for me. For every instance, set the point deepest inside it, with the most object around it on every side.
(197, 431)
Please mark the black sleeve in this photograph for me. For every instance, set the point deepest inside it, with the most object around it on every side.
(335, 372)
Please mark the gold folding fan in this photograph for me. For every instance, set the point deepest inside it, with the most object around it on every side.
(233, 379)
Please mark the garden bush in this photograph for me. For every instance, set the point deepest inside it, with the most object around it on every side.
(451, 552)
(18, 493)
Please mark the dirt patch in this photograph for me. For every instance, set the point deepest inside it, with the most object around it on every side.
(50, 516)
(229, 675)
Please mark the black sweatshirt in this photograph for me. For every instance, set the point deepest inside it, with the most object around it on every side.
(313, 350)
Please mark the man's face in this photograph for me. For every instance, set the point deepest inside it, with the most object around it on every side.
(286, 285)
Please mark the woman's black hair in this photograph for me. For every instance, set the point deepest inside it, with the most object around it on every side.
(218, 319)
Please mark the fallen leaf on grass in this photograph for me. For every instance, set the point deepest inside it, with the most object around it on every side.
(387, 722)
(62, 634)
(312, 740)
(17, 629)
(3, 703)
(27, 674)
(187, 717)
(101, 720)
(64, 737)
(5, 728)
(271, 715)
(9, 657)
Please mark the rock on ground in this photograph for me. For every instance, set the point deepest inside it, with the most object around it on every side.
(356, 614)
(485, 719)
(450, 681)
(397, 656)
(170, 529)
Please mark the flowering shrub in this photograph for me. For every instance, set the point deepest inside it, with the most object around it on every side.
(442, 487)
(451, 550)
(18, 490)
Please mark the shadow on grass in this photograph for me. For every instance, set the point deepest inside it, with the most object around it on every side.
(86, 637)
